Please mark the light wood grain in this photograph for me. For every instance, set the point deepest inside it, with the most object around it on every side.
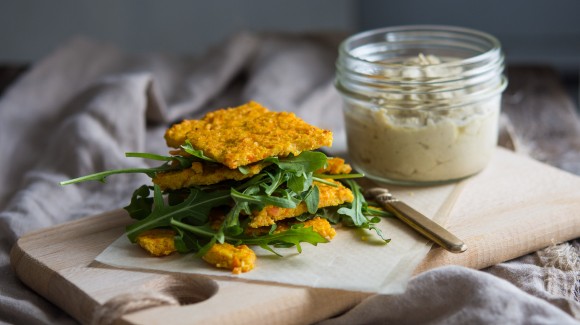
(56, 263)
(514, 207)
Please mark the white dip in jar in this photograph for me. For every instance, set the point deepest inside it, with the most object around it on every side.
(421, 103)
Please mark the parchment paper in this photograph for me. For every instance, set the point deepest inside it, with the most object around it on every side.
(355, 260)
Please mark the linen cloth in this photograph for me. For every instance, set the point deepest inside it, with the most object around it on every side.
(78, 110)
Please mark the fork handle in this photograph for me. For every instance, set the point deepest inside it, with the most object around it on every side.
(424, 225)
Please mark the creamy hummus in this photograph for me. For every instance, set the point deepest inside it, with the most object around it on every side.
(421, 103)
(425, 125)
(422, 146)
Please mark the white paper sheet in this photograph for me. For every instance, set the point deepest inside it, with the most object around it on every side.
(355, 260)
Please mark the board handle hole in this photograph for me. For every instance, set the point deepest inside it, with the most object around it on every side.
(166, 290)
(186, 289)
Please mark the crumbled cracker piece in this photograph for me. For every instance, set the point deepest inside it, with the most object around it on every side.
(158, 242)
(329, 196)
(236, 258)
(335, 166)
(318, 224)
(321, 226)
(203, 174)
(249, 133)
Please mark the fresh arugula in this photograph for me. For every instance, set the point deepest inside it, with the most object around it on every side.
(311, 198)
(285, 182)
(172, 163)
(306, 162)
(101, 176)
(292, 237)
(188, 147)
(141, 203)
(299, 170)
(338, 176)
(195, 208)
(356, 211)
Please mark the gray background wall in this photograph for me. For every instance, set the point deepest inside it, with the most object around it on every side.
(532, 31)
(28, 28)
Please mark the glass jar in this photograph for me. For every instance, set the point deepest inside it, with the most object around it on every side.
(421, 103)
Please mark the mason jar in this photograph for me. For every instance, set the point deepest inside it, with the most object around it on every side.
(421, 103)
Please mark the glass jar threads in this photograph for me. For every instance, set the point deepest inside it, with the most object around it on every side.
(421, 103)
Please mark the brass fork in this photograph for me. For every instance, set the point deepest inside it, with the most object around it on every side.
(425, 226)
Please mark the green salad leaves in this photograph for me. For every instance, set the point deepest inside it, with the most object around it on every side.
(285, 182)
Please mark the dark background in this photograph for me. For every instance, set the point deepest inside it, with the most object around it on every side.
(531, 31)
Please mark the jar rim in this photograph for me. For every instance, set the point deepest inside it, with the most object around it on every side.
(471, 100)
(493, 49)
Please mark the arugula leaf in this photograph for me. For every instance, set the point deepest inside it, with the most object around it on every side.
(287, 182)
(311, 198)
(185, 242)
(277, 178)
(232, 223)
(299, 169)
(321, 180)
(195, 207)
(355, 210)
(140, 206)
(305, 162)
(256, 180)
(378, 212)
(182, 162)
(259, 201)
(188, 147)
(330, 214)
(299, 182)
(292, 237)
(356, 214)
(101, 176)
(244, 170)
(339, 176)
(379, 232)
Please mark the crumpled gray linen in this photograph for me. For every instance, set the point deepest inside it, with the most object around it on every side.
(82, 107)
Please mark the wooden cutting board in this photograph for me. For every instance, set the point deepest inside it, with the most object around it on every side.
(514, 207)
